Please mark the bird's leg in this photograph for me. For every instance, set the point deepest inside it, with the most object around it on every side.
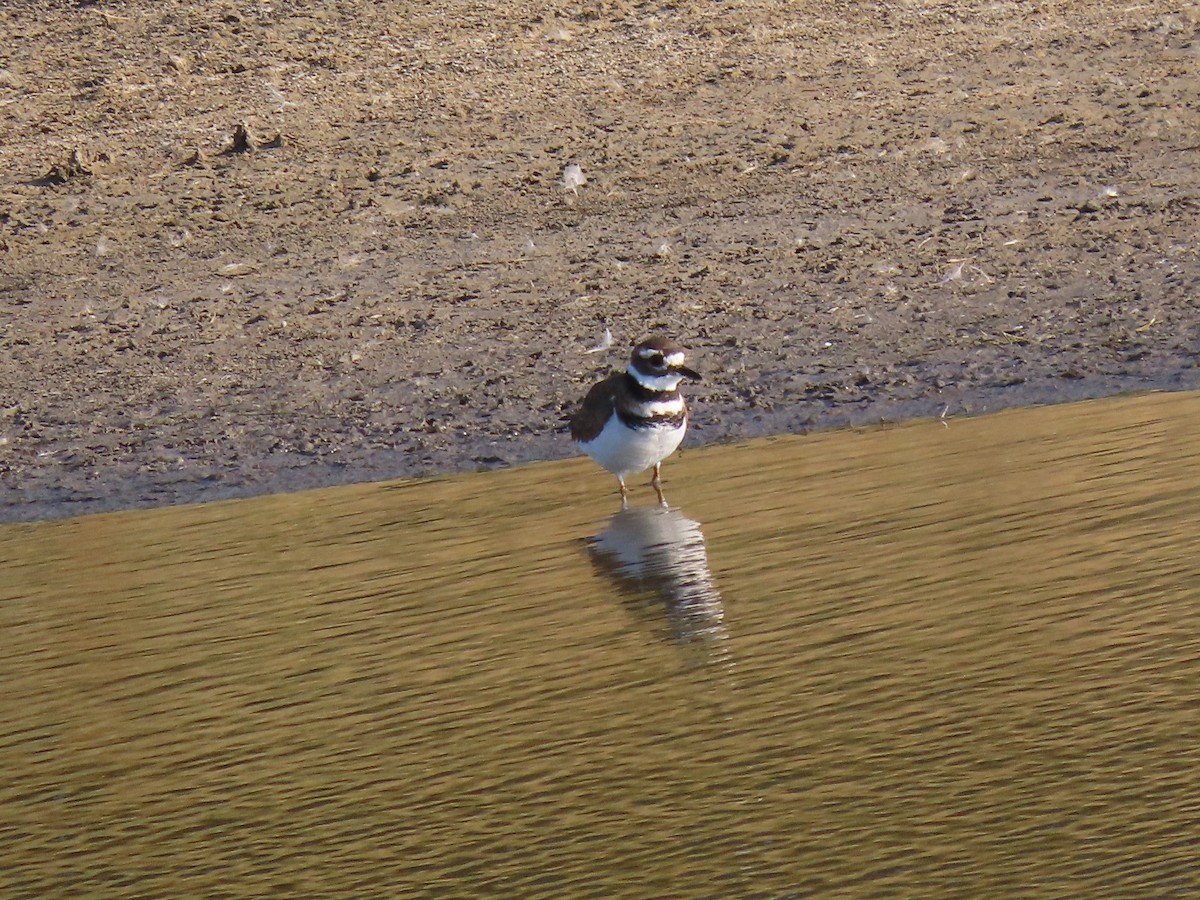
(656, 483)
(624, 492)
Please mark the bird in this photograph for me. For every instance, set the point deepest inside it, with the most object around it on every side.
(634, 419)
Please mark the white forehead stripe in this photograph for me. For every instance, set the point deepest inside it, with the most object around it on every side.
(672, 359)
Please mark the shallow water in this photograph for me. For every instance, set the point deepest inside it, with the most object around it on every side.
(956, 659)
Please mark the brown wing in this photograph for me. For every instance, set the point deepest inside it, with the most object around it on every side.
(588, 421)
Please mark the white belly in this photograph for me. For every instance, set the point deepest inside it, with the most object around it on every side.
(627, 451)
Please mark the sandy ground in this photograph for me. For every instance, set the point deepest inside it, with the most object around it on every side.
(258, 246)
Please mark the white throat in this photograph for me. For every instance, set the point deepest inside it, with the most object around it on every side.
(664, 383)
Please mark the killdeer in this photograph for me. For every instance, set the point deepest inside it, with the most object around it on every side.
(635, 419)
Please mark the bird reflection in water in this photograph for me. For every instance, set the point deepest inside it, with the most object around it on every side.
(656, 557)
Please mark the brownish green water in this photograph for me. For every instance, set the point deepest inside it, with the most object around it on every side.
(955, 659)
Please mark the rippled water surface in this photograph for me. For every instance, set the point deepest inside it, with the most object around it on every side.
(955, 659)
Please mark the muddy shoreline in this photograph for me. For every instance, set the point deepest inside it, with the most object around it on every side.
(257, 250)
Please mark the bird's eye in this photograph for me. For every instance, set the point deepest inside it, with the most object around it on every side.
(656, 360)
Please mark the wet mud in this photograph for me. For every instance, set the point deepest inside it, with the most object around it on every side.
(247, 248)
